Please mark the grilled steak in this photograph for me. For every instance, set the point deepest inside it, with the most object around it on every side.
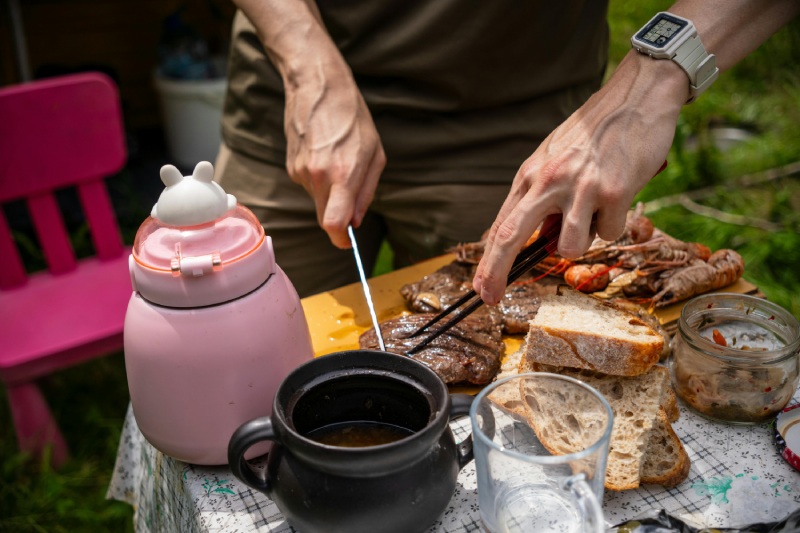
(521, 301)
(469, 352)
(442, 288)
(438, 290)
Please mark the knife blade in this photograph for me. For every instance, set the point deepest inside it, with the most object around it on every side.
(365, 286)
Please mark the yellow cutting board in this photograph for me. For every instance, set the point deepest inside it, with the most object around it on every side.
(337, 318)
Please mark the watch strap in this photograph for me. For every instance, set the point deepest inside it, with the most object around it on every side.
(699, 65)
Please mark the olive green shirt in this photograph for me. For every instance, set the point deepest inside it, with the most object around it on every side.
(460, 90)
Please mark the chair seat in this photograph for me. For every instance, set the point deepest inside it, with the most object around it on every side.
(85, 307)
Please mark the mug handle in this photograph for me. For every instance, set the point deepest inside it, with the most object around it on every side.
(586, 500)
(245, 436)
(459, 406)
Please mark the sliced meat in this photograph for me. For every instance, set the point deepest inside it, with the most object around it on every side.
(521, 301)
(469, 352)
(442, 288)
(439, 289)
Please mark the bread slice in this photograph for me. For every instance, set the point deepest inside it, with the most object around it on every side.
(635, 401)
(510, 367)
(666, 462)
(577, 330)
(665, 459)
(652, 320)
(507, 398)
(564, 419)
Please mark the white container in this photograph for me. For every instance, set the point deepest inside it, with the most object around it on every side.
(192, 112)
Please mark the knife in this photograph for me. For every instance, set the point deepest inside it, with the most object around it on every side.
(365, 286)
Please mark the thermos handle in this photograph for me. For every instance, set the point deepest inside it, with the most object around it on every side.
(459, 406)
(243, 438)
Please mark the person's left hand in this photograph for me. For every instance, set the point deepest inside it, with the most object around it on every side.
(592, 164)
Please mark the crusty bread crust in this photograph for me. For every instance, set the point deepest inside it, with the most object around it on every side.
(576, 330)
(666, 462)
(669, 402)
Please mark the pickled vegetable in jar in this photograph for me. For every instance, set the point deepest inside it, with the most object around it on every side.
(735, 357)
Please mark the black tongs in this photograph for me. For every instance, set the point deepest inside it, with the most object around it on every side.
(531, 255)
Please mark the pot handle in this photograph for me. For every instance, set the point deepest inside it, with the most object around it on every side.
(459, 406)
(248, 434)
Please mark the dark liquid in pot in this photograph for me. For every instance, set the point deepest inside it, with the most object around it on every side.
(358, 434)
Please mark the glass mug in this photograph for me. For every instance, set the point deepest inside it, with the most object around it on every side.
(541, 444)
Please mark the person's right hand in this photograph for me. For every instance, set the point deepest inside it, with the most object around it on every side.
(333, 148)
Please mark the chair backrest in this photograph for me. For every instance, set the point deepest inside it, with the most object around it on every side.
(55, 133)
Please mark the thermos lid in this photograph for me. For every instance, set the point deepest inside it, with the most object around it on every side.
(194, 231)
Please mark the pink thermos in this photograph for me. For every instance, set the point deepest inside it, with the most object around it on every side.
(214, 324)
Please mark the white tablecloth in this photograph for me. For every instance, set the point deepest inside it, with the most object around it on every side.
(737, 478)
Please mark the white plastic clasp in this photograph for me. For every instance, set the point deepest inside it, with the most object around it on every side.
(196, 266)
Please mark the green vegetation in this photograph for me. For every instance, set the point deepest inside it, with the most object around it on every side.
(703, 195)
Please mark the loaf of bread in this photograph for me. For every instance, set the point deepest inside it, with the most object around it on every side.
(615, 351)
(575, 330)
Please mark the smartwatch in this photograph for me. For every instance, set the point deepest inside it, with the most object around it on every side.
(669, 36)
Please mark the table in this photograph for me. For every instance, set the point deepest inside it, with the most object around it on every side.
(736, 478)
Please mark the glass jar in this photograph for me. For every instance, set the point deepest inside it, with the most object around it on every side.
(735, 357)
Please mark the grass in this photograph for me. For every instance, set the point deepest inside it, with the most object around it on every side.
(760, 94)
(89, 402)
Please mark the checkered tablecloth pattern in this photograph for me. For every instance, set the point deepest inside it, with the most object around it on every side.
(737, 478)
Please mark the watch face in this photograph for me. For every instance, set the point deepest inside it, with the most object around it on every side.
(661, 30)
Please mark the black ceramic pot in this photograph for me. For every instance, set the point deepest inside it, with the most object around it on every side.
(402, 486)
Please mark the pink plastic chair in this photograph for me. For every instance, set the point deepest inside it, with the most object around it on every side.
(60, 132)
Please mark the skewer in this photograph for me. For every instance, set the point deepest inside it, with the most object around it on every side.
(365, 287)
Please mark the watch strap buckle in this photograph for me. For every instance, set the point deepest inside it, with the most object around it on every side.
(706, 74)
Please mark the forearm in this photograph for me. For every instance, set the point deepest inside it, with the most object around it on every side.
(729, 29)
(332, 146)
(294, 38)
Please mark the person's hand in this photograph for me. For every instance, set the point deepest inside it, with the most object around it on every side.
(333, 148)
(592, 164)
